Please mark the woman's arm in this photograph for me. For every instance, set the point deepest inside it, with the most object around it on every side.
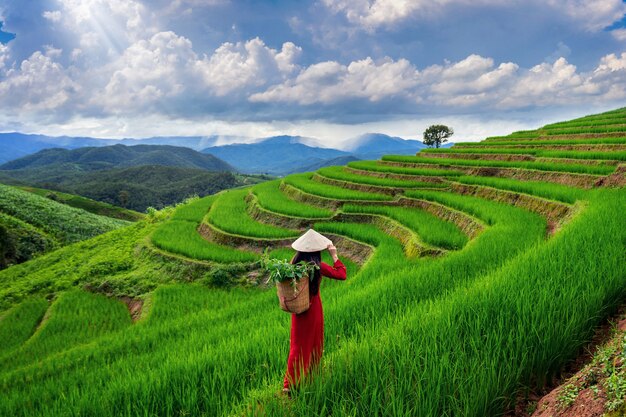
(338, 270)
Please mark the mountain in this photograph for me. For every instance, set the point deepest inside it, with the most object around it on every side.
(340, 160)
(118, 156)
(15, 145)
(276, 155)
(375, 145)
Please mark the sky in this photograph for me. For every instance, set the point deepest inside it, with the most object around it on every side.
(329, 69)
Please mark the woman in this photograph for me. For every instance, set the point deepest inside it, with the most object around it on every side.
(307, 329)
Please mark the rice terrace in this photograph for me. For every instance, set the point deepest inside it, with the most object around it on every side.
(475, 274)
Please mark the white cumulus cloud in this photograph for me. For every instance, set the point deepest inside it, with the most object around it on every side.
(593, 15)
(329, 82)
(39, 84)
(234, 66)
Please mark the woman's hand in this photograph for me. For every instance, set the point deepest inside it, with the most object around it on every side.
(333, 251)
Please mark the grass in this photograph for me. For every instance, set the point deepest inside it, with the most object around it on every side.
(542, 166)
(87, 204)
(609, 155)
(19, 323)
(428, 227)
(229, 213)
(505, 141)
(180, 235)
(66, 224)
(458, 334)
(339, 173)
(304, 183)
(376, 167)
(271, 198)
(537, 188)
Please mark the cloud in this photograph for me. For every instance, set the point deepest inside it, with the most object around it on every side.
(472, 84)
(330, 82)
(251, 64)
(148, 72)
(592, 15)
(53, 16)
(40, 84)
(619, 34)
(165, 74)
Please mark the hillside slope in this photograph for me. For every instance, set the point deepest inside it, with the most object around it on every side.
(31, 225)
(475, 274)
(119, 156)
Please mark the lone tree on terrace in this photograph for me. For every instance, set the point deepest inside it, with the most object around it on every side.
(437, 134)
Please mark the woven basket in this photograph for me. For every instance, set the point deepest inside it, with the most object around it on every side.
(294, 300)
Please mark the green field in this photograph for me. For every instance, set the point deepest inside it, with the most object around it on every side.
(497, 312)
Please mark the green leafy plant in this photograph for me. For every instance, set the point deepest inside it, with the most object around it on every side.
(280, 270)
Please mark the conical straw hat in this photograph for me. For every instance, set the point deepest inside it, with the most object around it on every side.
(311, 241)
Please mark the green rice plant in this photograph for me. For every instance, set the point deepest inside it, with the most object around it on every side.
(375, 166)
(271, 198)
(542, 166)
(66, 224)
(538, 188)
(229, 213)
(19, 323)
(303, 182)
(180, 235)
(620, 120)
(193, 210)
(183, 238)
(579, 130)
(76, 317)
(547, 153)
(428, 227)
(339, 173)
(485, 340)
(459, 334)
(255, 346)
(540, 142)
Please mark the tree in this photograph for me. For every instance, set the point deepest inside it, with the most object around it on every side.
(437, 134)
(123, 198)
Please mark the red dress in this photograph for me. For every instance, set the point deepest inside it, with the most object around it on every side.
(307, 331)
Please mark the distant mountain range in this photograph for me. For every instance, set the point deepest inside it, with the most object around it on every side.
(281, 155)
(134, 177)
(16, 145)
(119, 156)
(278, 155)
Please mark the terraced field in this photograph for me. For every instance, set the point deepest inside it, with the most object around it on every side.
(475, 274)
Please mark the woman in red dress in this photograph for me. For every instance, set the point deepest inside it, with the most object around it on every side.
(307, 328)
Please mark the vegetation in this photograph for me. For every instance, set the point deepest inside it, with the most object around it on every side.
(436, 135)
(65, 224)
(610, 155)
(87, 204)
(428, 227)
(304, 183)
(376, 167)
(461, 333)
(543, 189)
(271, 198)
(180, 235)
(542, 166)
(339, 173)
(229, 214)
